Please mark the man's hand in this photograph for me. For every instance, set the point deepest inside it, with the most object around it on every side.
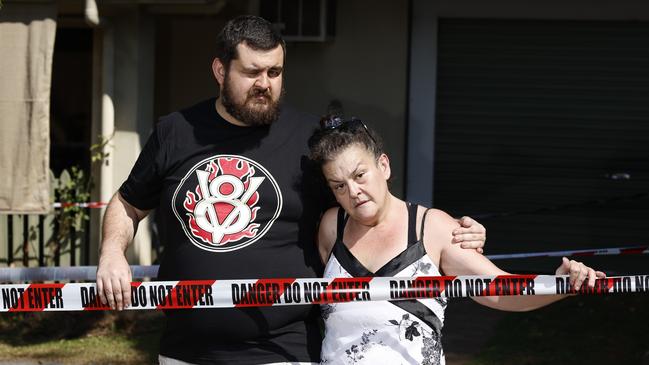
(113, 273)
(114, 279)
(471, 234)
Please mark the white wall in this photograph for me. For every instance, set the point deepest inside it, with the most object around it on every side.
(364, 67)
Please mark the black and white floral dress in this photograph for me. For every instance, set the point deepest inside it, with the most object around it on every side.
(389, 332)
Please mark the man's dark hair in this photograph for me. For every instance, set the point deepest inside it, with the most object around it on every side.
(256, 32)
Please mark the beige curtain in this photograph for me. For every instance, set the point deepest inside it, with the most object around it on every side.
(26, 46)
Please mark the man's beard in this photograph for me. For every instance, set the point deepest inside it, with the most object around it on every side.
(247, 112)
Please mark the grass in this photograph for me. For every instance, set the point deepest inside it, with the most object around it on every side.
(578, 330)
(114, 349)
(81, 338)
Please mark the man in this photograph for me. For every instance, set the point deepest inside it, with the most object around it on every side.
(236, 200)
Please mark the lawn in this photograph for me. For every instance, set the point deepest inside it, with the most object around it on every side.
(81, 337)
(579, 330)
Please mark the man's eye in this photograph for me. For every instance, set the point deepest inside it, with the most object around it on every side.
(339, 186)
(360, 175)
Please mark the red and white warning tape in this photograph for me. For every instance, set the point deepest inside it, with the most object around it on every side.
(92, 205)
(275, 292)
(631, 250)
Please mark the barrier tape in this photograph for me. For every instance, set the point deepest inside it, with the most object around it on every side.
(92, 205)
(632, 250)
(194, 294)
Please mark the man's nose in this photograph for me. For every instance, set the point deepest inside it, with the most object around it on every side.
(263, 82)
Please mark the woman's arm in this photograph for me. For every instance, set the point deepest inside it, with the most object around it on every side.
(456, 261)
(327, 233)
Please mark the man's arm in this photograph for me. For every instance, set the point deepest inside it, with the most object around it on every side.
(113, 272)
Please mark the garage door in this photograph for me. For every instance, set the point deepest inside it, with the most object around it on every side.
(546, 125)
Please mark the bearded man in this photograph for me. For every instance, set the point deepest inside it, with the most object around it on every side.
(235, 199)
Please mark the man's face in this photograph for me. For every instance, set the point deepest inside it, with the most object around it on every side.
(252, 86)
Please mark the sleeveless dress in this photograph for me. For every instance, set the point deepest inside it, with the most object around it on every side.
(385, 332)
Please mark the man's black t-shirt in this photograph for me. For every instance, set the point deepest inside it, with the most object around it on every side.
(233, 203)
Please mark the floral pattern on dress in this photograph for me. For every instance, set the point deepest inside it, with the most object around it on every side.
(355, 352)
(432, 350)
(432, 344)
(326, 310)
(421, 267)
(443, 302)
(419, 343)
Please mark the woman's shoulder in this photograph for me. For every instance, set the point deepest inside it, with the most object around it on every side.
(327, 233)
(330, 215)
(436, 217)
(438, 229)
(328, 225)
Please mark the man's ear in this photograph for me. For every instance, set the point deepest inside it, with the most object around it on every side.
(218, 69)
(384, 166)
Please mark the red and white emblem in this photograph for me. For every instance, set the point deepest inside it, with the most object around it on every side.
(218, 203)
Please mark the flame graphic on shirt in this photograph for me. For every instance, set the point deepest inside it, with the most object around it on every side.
(222, 208)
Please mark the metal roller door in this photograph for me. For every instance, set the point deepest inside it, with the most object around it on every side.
(547, 121)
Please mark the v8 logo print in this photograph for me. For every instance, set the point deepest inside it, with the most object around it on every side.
(218, 203)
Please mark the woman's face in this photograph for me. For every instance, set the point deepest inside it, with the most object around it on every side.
(359, 182)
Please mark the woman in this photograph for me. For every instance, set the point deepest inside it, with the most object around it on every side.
(376, 234)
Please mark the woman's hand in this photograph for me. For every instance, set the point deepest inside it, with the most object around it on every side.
(579, 273)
